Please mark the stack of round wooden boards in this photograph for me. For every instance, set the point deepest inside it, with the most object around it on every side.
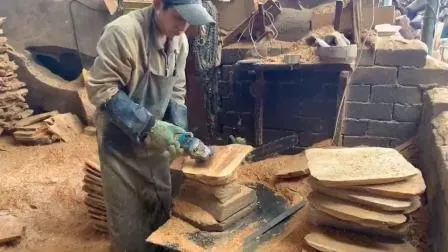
(366, 190)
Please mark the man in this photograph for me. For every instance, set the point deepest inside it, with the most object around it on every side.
(137, 83)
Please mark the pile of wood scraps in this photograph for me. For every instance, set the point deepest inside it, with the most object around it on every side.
(366, 190)
(94, 199)
(46, 128)
(13, 106)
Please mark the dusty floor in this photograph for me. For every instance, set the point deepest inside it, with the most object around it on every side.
(42, 186)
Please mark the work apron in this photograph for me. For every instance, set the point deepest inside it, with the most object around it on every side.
(136, 180)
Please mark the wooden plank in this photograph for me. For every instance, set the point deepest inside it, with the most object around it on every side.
(368, 200)
(34, 119)
(67, 126)
(358, 166)
(220, 169)
(339, 242)
(352, 212)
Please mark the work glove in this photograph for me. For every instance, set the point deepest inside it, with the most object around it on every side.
(164, 135)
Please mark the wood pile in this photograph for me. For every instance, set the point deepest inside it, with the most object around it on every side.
(13, 106)
(47, 128)
(94, 199)
(210, 198)
(367, 190)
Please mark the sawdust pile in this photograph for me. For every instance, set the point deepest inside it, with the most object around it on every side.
(307, 54)
(41, 185)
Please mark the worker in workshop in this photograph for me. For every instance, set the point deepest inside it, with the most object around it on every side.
(137, 83)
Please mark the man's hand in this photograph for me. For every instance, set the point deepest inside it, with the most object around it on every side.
(163, 135)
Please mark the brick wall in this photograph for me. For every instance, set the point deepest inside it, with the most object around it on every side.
(298, 101)
(384, 100)
(433, 142)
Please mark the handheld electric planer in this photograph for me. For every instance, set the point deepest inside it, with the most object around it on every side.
(194, 147)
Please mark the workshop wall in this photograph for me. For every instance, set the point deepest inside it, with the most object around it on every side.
(434, 164)
(48, 23)
(300, 101)
(384, 100)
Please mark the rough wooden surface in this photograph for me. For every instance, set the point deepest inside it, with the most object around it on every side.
(221, 211)
(368, 200)
(319, 218)
(203, 220)
(326, 242)
(352, 212)
(358, 166)
(296, 168)
(222, 193)
(67, 126)
(220, 169)
(10, 228)
(406, 189)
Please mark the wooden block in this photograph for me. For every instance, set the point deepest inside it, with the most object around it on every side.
(221, 211)
(416, 204)
(203, 220)
(93, 173)
(92, 182)
(90, 130)
(23, 114)
(340, 242)
(358, 166)
(220, 169)
(93, 165)
(406, 189)
(10, 228)
(368, 200)
(319, 218)
(222, 193)
(296, 168)
(34, 119)
(354, 213)
(67, 126)
(89, 188)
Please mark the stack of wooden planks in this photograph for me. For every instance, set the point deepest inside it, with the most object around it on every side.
(210, 198)
(94, 199)
(47, 128)
(13, 106)
(367, 190)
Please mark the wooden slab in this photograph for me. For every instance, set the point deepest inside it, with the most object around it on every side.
(333, 242)
(354, 213)
(319, 218)
(296, 168)
(221, 211)
(34, 119)
(203, 220)
(222, 193)
(406, 189)
(368, 200)
(358, 166)
(10, 228)
(67, 126)
(220, 169)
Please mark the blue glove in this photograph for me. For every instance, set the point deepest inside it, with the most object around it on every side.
(133, 119)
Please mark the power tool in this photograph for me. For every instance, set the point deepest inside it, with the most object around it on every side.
(195, 147)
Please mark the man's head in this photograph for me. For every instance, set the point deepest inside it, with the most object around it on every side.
(174, 16)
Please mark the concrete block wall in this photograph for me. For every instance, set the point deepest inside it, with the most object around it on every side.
(433, 143)
(384, 99)
(300, 101)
